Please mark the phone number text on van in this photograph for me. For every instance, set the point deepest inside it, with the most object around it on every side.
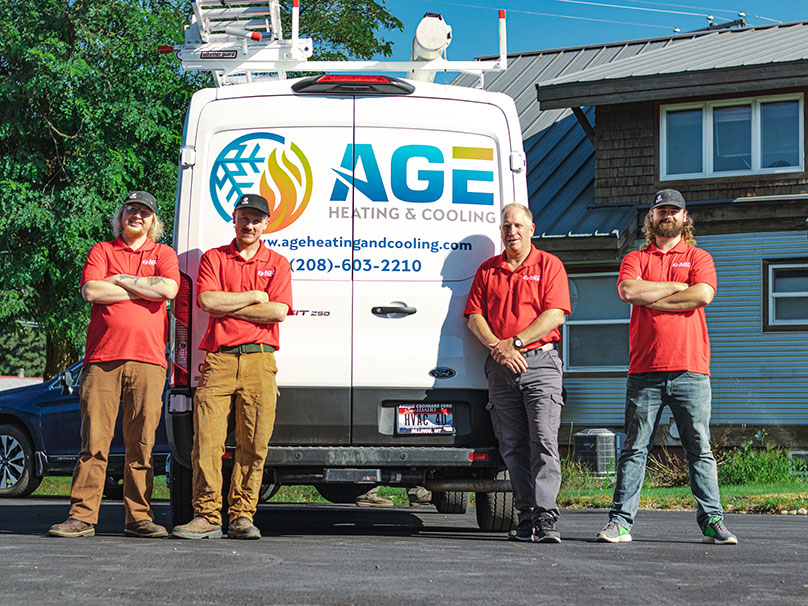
(356, 265)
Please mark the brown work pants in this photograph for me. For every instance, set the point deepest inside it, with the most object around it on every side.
(246, 384)
(136, 388)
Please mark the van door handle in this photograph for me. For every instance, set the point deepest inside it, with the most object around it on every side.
(392, 309)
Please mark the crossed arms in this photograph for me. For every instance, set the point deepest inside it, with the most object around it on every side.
(121, 287)
(502, 350)
(665, 296)
(252, 305)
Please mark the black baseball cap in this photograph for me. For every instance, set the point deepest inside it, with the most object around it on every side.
(142, 197)
(253, 201)
(668, 197)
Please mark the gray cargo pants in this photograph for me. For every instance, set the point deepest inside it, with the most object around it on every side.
(526, 414)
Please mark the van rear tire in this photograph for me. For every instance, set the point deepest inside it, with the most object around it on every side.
(451, 502)
(495, 511)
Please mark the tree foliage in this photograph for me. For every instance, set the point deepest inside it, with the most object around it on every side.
(90, 111)
(345, 29)
(23, 349)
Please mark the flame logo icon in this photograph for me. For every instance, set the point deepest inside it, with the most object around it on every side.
(262, 163)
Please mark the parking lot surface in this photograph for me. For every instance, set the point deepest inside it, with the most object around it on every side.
(338, 554)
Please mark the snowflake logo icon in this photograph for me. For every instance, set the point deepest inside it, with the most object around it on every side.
(264, 163)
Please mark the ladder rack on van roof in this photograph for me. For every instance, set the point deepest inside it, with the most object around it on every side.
(242, 41)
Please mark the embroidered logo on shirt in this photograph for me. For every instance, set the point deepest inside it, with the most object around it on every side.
(266, 272)
(149, 262)
(534, 277)
(681, 264)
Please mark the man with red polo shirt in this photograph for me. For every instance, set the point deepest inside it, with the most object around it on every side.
(128, 282)
(515, 306)
(668, 282)
(247, 290)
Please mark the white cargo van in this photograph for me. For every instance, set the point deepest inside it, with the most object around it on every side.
(385, 197)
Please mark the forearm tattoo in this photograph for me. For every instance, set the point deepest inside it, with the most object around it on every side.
(150, 280)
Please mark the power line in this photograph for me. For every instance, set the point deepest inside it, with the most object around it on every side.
(636, 8)
(525, 12)
(703, 8)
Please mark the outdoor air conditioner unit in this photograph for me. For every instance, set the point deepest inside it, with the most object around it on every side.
(598, 449)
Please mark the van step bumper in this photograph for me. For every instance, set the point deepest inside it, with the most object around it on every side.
(381, 456)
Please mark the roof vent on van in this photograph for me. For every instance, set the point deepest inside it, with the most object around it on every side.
(352, 84)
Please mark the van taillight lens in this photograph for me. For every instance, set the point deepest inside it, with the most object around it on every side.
(352, 79)
(181, 311)
(359, 85)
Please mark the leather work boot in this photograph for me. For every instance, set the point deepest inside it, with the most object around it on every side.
(198, 528)
(71, 528)
(145, 529)
(243, 528)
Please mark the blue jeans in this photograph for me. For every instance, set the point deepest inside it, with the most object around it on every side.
(688, 395)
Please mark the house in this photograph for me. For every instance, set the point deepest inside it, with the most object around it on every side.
(720, 115)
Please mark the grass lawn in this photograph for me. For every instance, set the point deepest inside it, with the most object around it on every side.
(761, 498)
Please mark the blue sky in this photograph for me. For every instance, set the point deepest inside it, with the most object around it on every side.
(545, 24)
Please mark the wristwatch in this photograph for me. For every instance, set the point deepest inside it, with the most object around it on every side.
(517, 343)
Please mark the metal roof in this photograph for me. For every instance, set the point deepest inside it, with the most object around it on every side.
(704, 64)
(560, 158)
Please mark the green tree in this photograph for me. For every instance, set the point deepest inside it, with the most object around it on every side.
(345, 29)
(23, 349)
(90, 111)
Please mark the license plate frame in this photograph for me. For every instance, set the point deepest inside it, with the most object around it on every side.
(425, 419)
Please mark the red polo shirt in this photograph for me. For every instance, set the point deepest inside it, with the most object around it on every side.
(664, 341)
(129, 330)
(223, 269)
(510, 300)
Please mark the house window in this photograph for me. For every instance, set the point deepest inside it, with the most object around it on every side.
(728, 138)
(596, 332)
(785, 284)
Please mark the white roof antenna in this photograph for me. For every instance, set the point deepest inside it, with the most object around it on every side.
(241, 41)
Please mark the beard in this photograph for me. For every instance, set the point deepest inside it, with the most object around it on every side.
(131, 231)
(668, 228)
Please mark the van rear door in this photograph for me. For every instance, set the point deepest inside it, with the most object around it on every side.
(282, 146)
(423, 231)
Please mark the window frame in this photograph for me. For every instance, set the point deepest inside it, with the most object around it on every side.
(565, 338)
(707, 143)
(771, 324)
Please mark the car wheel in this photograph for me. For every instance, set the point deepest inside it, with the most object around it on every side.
(451, 502)
(17, 477)
(267, 492)
(495, 512)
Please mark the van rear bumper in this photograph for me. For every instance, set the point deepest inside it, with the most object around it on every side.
(381, 456)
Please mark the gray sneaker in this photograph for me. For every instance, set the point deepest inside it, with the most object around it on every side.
(523, 532)
(716, 532)
(614, 533)
(546, 531)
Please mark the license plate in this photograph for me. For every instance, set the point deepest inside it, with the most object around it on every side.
(430, 419)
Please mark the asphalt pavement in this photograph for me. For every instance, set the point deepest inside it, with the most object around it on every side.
(341, 554)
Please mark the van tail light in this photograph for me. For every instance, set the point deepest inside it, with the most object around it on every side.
(181, 335)
(479, 456)
(352, 84)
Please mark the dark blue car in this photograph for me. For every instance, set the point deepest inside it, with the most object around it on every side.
(40, 435)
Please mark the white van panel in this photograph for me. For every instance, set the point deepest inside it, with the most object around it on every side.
(281, 147)
(401, 350)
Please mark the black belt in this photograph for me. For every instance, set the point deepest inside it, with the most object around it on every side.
(247, 348)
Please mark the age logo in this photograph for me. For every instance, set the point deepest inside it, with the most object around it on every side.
(267, 164)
